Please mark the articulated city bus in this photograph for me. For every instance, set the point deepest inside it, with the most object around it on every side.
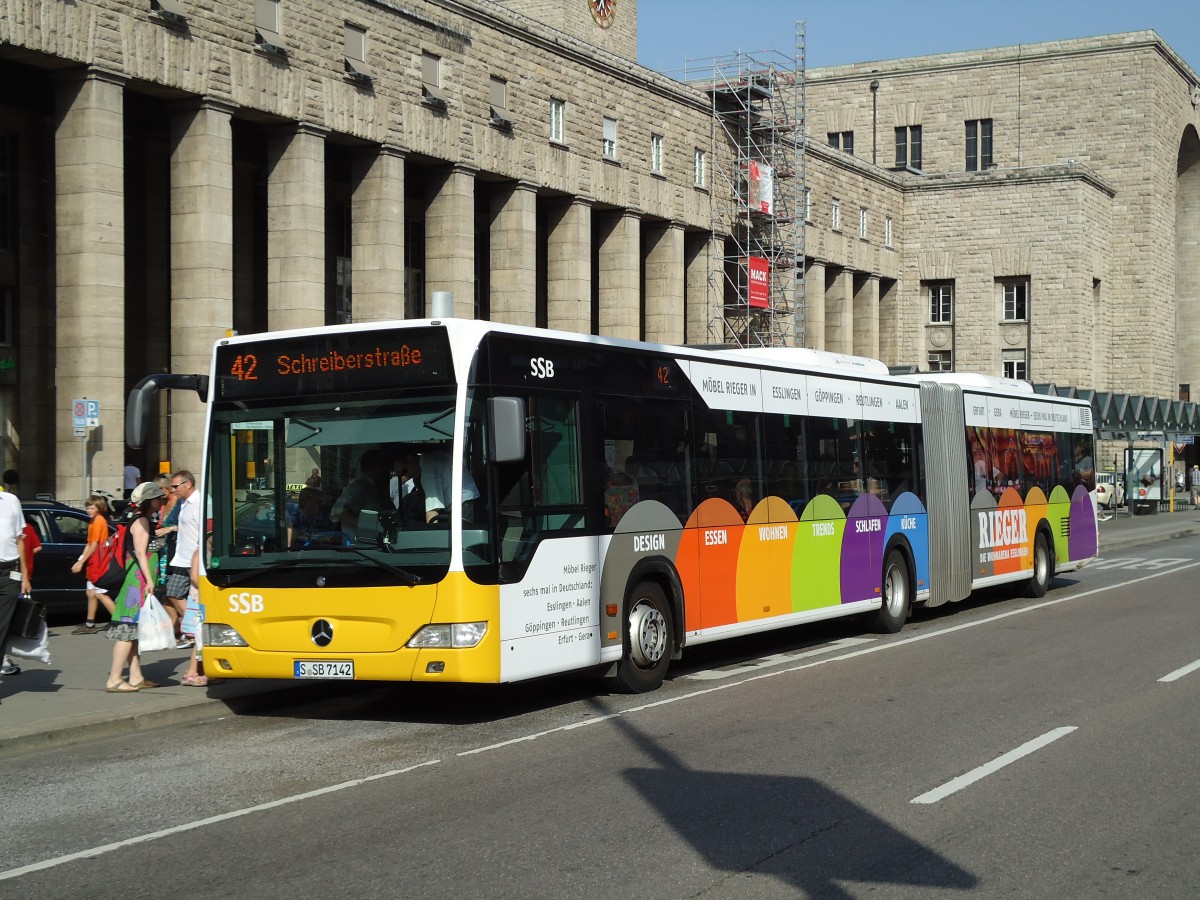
(464, 501)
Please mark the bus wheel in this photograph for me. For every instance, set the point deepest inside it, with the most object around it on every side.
(648, 640)
(1043, 568)
(896, 596)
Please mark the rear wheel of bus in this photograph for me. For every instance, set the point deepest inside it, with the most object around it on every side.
(648, 639)
(897, 596)
(1043, 567)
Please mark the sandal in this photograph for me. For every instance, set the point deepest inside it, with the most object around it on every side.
(144, 683)
(121, 687)
(195, 680)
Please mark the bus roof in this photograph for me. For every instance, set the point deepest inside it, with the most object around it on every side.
(972, 380)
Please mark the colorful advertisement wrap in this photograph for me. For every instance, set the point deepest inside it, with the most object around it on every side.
(1030, 463)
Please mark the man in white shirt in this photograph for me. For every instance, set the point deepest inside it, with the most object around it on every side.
(133, 476)
(179, 567)
(14, 580)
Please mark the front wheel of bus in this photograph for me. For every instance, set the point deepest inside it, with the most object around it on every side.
(648, 640)
(1043, 568)
(896, 595)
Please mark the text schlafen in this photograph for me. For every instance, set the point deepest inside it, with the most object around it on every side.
(1002, 527)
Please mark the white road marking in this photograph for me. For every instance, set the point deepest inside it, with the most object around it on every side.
(877, 647)
(200, 823)
(955, 785)
(777, 659)
(1179, 673)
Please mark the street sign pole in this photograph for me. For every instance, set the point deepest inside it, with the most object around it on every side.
(85, 415)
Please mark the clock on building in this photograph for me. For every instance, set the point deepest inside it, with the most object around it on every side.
(603, 11)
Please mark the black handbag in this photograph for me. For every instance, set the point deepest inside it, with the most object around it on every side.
(28, 618)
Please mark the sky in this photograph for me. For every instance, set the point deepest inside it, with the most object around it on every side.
(671, 32)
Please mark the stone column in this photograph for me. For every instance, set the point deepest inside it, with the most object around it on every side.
(89, 213)
(620, 276)
(839, 312)
(703, 291)
(201, 260)
(666, 289)
(814, 306)
(866, 316)
(514, 254)
(296, 275)
(569, 266)
(890, 322)
(377, 251)
(450, 238)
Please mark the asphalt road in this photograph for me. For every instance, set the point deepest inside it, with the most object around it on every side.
(1007, 748)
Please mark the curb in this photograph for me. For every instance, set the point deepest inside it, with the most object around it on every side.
(1149, 538)
(91, 727)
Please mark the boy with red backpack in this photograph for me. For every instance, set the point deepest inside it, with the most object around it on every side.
(97, 536)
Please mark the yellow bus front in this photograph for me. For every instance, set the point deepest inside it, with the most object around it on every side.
(445, 631)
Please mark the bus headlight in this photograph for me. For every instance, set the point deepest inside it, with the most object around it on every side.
(218, 635)
(458, 635)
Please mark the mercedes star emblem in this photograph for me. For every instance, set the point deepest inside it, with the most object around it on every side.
(322, 633)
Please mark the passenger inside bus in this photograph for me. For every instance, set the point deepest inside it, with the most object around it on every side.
(743, 498)
(363, 493)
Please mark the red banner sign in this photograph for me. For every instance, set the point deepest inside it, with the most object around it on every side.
(760, 282)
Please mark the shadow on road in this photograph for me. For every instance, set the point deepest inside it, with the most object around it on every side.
(789, 827)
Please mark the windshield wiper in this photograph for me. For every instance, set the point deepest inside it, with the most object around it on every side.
(238, 577)
(408, 579)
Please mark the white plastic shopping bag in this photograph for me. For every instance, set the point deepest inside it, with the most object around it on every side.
(32, 648)
(154, 627)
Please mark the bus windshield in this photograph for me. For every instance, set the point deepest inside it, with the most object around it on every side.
(361, 482)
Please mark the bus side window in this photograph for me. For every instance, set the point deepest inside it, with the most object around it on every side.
(543, 494)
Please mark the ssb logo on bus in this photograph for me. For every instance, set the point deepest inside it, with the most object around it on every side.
(540, 367)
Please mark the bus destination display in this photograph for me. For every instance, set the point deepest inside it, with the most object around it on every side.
(332, 363)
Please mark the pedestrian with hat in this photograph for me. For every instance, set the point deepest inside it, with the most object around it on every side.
(145, 501)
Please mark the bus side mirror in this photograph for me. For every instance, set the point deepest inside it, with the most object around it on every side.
(506, 425)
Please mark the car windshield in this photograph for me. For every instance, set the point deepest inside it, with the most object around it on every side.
(359, 483)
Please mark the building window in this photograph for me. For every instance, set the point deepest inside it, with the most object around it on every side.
(941, 302)
(431, 70)
(656, 153)
(431, 80)
(498, 100)
(887, 231)
(355, 51)
(558, 114)
(266, 22)
(1016, 301)
(835, 215)
(941, 361)
(608, 142)
(979, 145)
(700, 164)
(842, 140)
(808, 204)
(862, 222)
(908, 147)
(1016, 364)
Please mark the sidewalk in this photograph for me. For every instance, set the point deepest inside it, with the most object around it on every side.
(65, 702)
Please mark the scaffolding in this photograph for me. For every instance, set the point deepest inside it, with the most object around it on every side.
(758, 194)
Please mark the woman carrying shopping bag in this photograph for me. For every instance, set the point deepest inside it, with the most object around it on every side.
(147, 499)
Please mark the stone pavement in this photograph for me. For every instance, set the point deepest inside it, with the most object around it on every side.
(65, 702)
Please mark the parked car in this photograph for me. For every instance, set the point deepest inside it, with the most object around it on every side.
(63, 532)
(1110, 491)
